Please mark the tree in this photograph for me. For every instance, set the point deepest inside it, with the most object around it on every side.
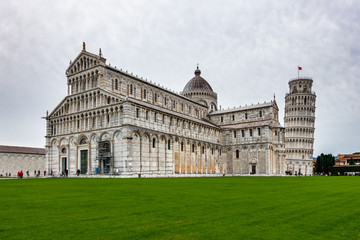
(351, 162)
(323, 162)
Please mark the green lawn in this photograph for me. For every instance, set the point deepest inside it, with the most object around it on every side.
(181, 208)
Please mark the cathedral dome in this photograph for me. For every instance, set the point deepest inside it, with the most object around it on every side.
(197, 83)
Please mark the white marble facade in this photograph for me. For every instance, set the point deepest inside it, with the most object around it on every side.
(113, 122)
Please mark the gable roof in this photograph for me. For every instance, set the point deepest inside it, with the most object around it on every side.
(88, 54)
(26, 150)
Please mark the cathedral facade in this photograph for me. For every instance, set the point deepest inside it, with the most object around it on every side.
(113, 122)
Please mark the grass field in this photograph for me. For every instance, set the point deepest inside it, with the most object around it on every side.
(181, 208)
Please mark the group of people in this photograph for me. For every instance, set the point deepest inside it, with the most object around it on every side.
(20, 174)
(37, 173)
(64, 173)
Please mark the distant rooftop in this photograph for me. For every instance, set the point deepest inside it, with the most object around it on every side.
(25, 150)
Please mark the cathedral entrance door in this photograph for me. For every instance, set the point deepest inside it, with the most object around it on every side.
(63, 164)
(253, 169)
(84, 160)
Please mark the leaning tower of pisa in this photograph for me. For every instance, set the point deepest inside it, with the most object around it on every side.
(299, 120)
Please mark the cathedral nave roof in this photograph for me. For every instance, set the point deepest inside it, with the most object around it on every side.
(260, 105)
(160, 109)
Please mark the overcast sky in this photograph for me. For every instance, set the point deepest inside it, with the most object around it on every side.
(247, 51)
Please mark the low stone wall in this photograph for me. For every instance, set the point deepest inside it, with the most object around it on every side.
(11, 163)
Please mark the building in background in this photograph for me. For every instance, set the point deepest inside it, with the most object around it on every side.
(299, 121)
(345, 159)
(14, 159)
(115, 122)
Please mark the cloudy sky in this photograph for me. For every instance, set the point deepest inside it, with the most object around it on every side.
(247, 51)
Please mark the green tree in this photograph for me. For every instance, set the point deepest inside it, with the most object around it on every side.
(351, 162)
(323, 161)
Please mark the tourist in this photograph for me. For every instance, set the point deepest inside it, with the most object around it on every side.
(78, 172)
(27, 173)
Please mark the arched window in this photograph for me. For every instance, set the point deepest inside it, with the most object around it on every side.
(233, 117)
(237, 154)
(94, 81)
(63, 150)
(169, 145)
(144, 93)
(116, 84)
(106, 146)
(203, 150)
(182, 146)
(260, 113)
(193, 148)
(83, 141)
(246, 115)
(131, 89)
(154, 142)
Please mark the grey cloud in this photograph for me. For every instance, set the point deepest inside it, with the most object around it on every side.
(247, 51)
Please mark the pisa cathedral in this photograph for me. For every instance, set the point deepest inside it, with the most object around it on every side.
(113, 122)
